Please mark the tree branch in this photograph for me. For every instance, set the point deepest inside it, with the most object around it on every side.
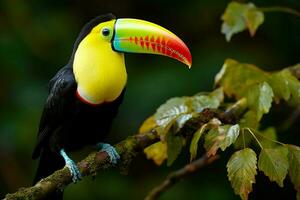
(94, 162)
(178, 175)
(127, 149)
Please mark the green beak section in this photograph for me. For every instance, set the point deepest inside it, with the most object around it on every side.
(139, 36)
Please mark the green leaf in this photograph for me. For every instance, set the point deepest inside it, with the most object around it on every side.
(213, 123)
(211, 100)
(259, 98)
(181, 120)
(157, 152)
(212, 141)
(174, 144)
(195, 140)
(231, 133)
(220, 137)
(285, 86)
(298, 196)
(294, 162)
(274, 163)
(235, 77)
(238, 17)
(241, 169)
(167, 113)
(177, 111)
(254, 18)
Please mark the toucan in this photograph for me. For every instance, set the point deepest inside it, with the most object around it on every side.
(84, 95)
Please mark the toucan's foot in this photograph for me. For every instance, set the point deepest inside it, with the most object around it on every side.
(111, 151)
(75, 173)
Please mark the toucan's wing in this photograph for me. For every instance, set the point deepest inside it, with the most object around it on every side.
(62, 88)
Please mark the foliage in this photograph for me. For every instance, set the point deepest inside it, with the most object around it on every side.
(171, 116)
(239, 17)
(235, 82)
(29, 60)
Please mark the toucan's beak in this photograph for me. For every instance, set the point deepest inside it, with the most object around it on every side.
(139, 36)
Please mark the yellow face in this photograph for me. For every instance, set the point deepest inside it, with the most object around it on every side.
(99, 71)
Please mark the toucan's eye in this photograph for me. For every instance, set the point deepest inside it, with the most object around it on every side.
(105, 32)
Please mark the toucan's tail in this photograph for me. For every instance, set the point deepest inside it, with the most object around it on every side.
(49, 163)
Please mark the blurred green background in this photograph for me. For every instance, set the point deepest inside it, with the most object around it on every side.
(36, 39)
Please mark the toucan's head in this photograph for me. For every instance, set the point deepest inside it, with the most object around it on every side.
(99, 65)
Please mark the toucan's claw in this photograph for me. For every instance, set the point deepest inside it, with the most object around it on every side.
(75, 173)
(111, 151)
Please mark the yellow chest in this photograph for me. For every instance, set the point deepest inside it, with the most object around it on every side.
(99, 71)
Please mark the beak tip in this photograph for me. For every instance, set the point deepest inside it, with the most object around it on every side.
(189, 65)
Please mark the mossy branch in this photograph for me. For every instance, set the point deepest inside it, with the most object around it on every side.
(127, 149)
(94, 162)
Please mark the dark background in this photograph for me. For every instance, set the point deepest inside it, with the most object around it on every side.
(36, 39)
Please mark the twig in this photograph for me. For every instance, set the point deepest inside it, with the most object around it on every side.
(178, 175)
(280, 9)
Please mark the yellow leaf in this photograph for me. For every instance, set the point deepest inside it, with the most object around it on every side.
(157, 152)
(148, 125)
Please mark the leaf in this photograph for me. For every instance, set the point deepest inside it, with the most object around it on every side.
(254, 18)
(235, 77)
(174, 144)
(167, 113)
(181, 120)
(294, 162)
(241, 169)
(259, 98)
(177, 111)
(231, 134)
(298, 196)
(285, 86)
(212, 141)
(274, 163)
(157, 152)
(220, 137)
(213, 123)
(148, 125)
(212, 100)
(194, 142)
(238, 17)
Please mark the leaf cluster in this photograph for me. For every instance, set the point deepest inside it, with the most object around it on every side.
(236, 83)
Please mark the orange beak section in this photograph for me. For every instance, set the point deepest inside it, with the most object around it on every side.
(139, 36)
